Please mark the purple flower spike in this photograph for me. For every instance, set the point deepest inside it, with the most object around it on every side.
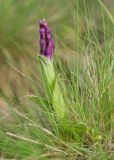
(46, 40)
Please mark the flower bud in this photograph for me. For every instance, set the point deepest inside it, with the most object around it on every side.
(46, 40)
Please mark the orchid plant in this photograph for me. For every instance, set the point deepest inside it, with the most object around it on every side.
(49, 78)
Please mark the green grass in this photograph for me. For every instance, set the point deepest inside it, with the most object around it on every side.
(29, 129)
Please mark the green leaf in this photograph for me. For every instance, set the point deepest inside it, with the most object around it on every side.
(52, 88)
(41, 102)
(80, 128)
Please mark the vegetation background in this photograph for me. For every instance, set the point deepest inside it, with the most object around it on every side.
(84, 35)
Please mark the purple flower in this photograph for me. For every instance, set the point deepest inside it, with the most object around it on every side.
(46, 40)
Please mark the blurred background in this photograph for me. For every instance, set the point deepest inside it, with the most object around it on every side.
(19, 38)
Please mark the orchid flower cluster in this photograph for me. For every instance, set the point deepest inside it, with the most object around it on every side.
(46, 40)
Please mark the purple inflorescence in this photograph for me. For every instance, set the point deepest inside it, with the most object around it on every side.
(46, 40)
